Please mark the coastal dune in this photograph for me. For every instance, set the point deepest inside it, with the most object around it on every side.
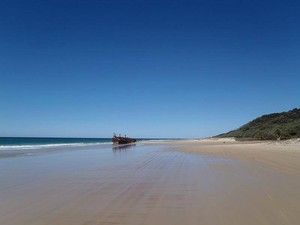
(184, 182)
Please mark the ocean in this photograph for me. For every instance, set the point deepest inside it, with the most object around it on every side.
(19, 143)
(24, 143)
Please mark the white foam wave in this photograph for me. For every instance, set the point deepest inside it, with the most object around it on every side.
(42, 146)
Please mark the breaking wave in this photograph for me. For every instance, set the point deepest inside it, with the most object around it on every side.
(44, 146)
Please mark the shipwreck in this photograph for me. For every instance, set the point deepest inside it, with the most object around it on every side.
(122, 140)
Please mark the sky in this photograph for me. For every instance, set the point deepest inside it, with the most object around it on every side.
(148, 68)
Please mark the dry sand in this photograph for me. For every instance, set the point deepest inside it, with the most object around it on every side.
(186, 182)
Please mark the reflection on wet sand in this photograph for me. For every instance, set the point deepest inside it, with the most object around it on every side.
(117, 148)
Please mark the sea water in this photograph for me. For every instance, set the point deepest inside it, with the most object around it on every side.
(19, 143)
(33, 143)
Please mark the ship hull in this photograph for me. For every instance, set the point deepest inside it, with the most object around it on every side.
(123, 140)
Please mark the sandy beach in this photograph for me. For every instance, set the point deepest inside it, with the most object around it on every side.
(215, 181)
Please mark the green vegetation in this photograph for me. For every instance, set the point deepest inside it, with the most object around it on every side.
(273, 126)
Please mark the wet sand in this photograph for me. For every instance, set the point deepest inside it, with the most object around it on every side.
(208, 182)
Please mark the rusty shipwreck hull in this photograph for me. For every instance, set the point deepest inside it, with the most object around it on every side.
(123, 140)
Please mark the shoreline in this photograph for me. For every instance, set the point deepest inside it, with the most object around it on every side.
(179, 182)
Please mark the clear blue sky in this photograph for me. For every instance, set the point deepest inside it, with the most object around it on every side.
(149, 68)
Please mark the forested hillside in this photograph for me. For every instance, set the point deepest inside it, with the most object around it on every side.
(283, 125)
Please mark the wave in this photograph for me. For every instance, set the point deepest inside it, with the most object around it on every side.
(42, 146)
